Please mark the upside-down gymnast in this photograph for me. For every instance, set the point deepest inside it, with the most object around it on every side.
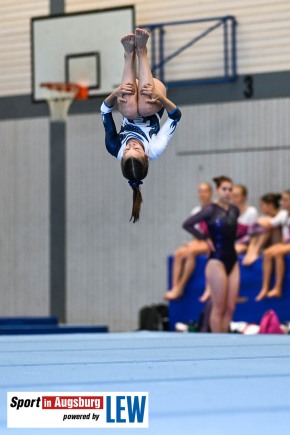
(222, 270)
(142, 103)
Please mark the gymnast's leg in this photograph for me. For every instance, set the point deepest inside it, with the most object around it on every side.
(217, 279)
(129, 108)
(256, 244)
(232, 296)
(279, 258)
(145, 76)
(267, 272)
(184, 266)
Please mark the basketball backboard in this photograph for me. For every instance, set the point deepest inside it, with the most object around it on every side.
(80, 47)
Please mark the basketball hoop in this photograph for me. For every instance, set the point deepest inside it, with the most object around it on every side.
(59, 97)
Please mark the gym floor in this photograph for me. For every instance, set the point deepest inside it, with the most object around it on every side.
(197, 383)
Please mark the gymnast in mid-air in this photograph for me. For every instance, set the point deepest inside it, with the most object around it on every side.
(141, 102)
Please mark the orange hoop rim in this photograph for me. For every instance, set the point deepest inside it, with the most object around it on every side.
(80, 91)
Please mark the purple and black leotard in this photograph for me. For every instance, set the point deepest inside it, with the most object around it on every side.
(222, 227)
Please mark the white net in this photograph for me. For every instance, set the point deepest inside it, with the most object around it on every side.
(59, 100)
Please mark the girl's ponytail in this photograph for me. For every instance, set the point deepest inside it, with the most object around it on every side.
(137, 200)
(135, 170)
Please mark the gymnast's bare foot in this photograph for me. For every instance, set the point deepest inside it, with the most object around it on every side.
(141, 37)
(249, 259)
(274, 293)
(261, 295)
(173, 294)
(128, 42)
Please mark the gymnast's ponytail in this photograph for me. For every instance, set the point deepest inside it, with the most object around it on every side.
(135, 170)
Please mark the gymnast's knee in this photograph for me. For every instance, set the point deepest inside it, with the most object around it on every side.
(180, 252)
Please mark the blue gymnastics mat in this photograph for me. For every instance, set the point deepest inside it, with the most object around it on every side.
(205, 384)
(44, 325)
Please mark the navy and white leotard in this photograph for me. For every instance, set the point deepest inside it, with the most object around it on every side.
(145, 129)
(222, 227)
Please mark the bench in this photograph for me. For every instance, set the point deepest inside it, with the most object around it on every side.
(188, 308)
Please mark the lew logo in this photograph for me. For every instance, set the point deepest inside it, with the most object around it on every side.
(125, 409)
(77, 410)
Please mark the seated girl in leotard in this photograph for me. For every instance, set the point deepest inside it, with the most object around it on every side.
(222, 270)
(274, 255)
(184, 259)
(248, 217)
(267, 229)
(142, 103)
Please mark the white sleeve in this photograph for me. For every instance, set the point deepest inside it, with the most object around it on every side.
(195, 210)
(105, 108)
(160, 141)
(253, 215)
(286, 231)
(280, 219)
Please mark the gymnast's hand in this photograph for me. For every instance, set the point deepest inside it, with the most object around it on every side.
(150, 91)
(122, 90)
(265, 221)
(210, 245)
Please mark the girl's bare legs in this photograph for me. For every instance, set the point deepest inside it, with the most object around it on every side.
(178, 265)
(276, 291)
(188, 266)
(251, 251)
(232, 296)
(196, 247)
(129, 109)
(184, 267)
(256, 244)
(218, 281)
(145, 75)
(241, 248)
(267, 272)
